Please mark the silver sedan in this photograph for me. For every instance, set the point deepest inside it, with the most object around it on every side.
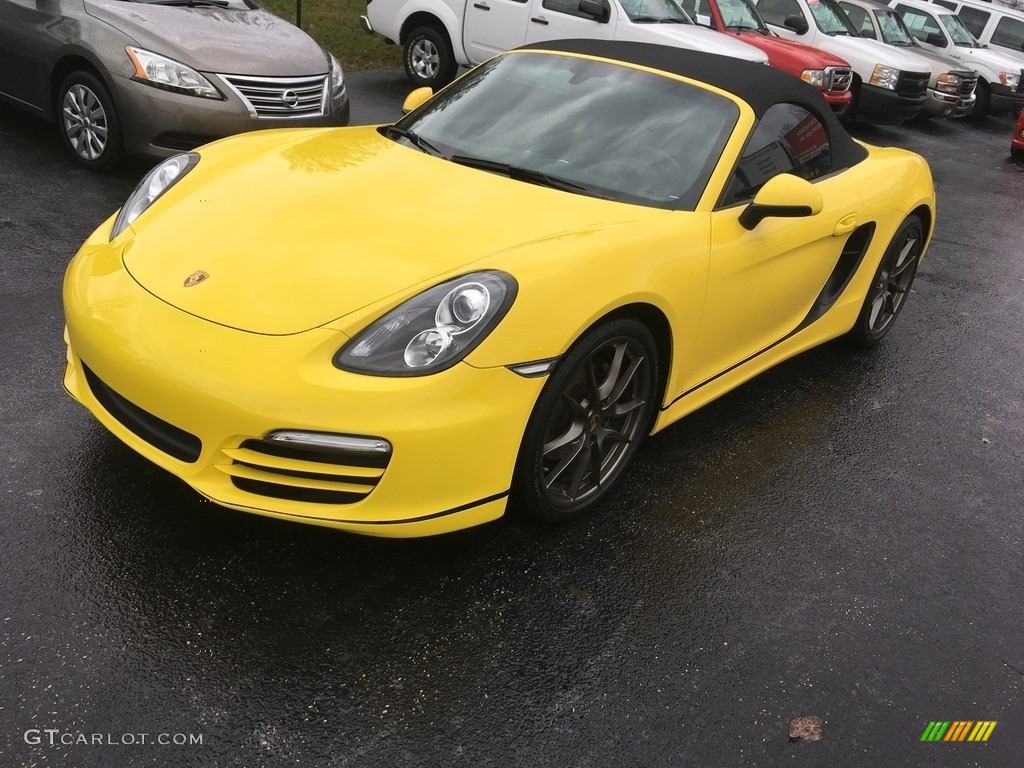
(161, 77)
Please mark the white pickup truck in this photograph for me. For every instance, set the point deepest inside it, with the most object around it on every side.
(438, 35)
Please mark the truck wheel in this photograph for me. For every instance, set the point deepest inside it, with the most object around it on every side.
(981, 101)
(428, 58)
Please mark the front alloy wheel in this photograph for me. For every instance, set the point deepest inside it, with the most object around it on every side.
(88, 121)
(889, 289)
(589, 421)
(428, 57)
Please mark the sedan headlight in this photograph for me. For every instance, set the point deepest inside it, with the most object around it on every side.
(1011, 79)
(432, 331)
(815, 77)
(885, 77)
(337, 76)
(155, 183)
(161, 72)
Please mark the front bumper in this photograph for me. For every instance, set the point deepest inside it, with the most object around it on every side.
(1003, 99)
(941, 104)
(455, 435)
(158, 123)
(886, 107)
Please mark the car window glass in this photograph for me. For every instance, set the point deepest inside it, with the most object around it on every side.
(958, 33)
(1009, 32)
(894, 31)
(701, 8)
(788, 139)
(739, 14)
(654, 10)
(860, 20)
(974, 19)
(945, 4)
(920, 24)
(830, 18)
(571, 7)
(776, 11)
(614, 130)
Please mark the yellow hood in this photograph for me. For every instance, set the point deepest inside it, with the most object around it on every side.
(298, 228)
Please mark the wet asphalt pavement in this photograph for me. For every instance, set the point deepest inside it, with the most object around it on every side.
(841, 537)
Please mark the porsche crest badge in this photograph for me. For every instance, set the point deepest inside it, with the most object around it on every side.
(196, 278)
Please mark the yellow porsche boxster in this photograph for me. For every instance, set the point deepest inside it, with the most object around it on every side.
(403, 330)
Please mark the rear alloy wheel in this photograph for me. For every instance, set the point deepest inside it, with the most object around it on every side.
(428, 58)
(589, 421)
(88, 121)
(891, 285)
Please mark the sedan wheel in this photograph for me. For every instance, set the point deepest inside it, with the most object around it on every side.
(89, 122)
(589, 421)
(891, 285)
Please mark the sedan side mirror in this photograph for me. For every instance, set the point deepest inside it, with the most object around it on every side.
(598, 10)
(416, 98)
(797, 23)
(785, 196)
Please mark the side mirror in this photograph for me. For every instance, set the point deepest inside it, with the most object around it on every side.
(937, 39)
(416, 98)
(598, 10)
(783, 196)
(797, 23)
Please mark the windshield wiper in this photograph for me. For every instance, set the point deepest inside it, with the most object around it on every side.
(392, 131)
(524, 174)
(191, 3)
(656, 20)
(745, 27)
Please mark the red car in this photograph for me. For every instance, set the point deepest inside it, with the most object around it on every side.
(1017, 145)
(830, 74)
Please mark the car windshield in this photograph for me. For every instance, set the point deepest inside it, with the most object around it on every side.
(830, 18)
(894, 31)
(741, 14)
(960, 34)
(655, 12)
(580, 125)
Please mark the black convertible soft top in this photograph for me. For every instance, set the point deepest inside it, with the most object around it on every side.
(757, 85)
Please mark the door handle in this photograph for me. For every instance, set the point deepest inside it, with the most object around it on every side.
(846, 225)
(539, 20)
(482, 6)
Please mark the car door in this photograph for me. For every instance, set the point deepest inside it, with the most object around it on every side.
(21, 66)
(562, 19)
(492, 26)
(763, 283)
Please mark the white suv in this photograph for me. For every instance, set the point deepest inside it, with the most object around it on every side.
(993, 25)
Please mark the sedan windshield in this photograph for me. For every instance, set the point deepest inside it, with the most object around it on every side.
(958, 32)
(831, 19)
(894, 31)
(655, 12)
(578, 125)
(740, 14)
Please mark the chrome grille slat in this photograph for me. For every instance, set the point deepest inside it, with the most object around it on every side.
(838, 79)
(280, 97)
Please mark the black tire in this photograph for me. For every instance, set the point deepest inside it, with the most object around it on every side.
(890, 286)
(982, 97)
(1017, 154)
(428, 58)
(88, 122)
(567, 439)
